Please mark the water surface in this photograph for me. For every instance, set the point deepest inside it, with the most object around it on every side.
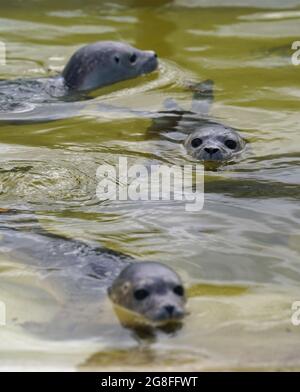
(239, 255)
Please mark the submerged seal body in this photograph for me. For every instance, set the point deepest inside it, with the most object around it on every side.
(90, 68)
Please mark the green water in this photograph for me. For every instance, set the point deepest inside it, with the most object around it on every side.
(239, 256)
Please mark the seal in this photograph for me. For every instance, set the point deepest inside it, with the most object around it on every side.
(214, 142)
(104, 63)
(150, 289)
(80, 275)
(91, 67)
(204, 138)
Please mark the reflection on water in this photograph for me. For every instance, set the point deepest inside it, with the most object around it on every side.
(239, 256)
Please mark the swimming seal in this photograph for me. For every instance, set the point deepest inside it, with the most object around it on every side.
(90, 68)
(203, 138)
(214, 142)
(83, 273)
(150, 289)
(104, 63)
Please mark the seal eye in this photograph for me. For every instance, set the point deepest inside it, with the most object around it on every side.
(196, 142)
(133, 58)
(231, 144)
(140, 294)
(117, 59)
(179, 290)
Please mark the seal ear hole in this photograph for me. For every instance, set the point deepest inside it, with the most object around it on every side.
(117, 59)
(179, 290)
(232, 144)
(141, 294)
(133, 58)
(125, 288)
(196, 142)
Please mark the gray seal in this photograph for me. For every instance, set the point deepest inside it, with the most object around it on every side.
(80, 274)
(204, 138)
(214, 142)
(90, 68)
(152, 290)
(104, 63)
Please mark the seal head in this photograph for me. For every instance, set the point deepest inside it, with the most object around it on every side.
(152, 290)
(106, 62)
(214, 142)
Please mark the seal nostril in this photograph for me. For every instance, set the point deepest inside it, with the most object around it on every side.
(170, 309)
(211, 150)
(155, 55)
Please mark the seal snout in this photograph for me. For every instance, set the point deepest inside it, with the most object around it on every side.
(151, 61)
(170, 313)
(154, 54)
(211, 150)
(170, 309)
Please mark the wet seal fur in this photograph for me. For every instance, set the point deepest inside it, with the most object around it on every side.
(104, 63)
(151, 290)
(83, 273)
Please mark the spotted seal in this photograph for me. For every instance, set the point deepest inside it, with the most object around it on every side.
(203, 138)
(150, 289)
(213, 142)
(80, 274)
(91, 67)
(104, 63)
